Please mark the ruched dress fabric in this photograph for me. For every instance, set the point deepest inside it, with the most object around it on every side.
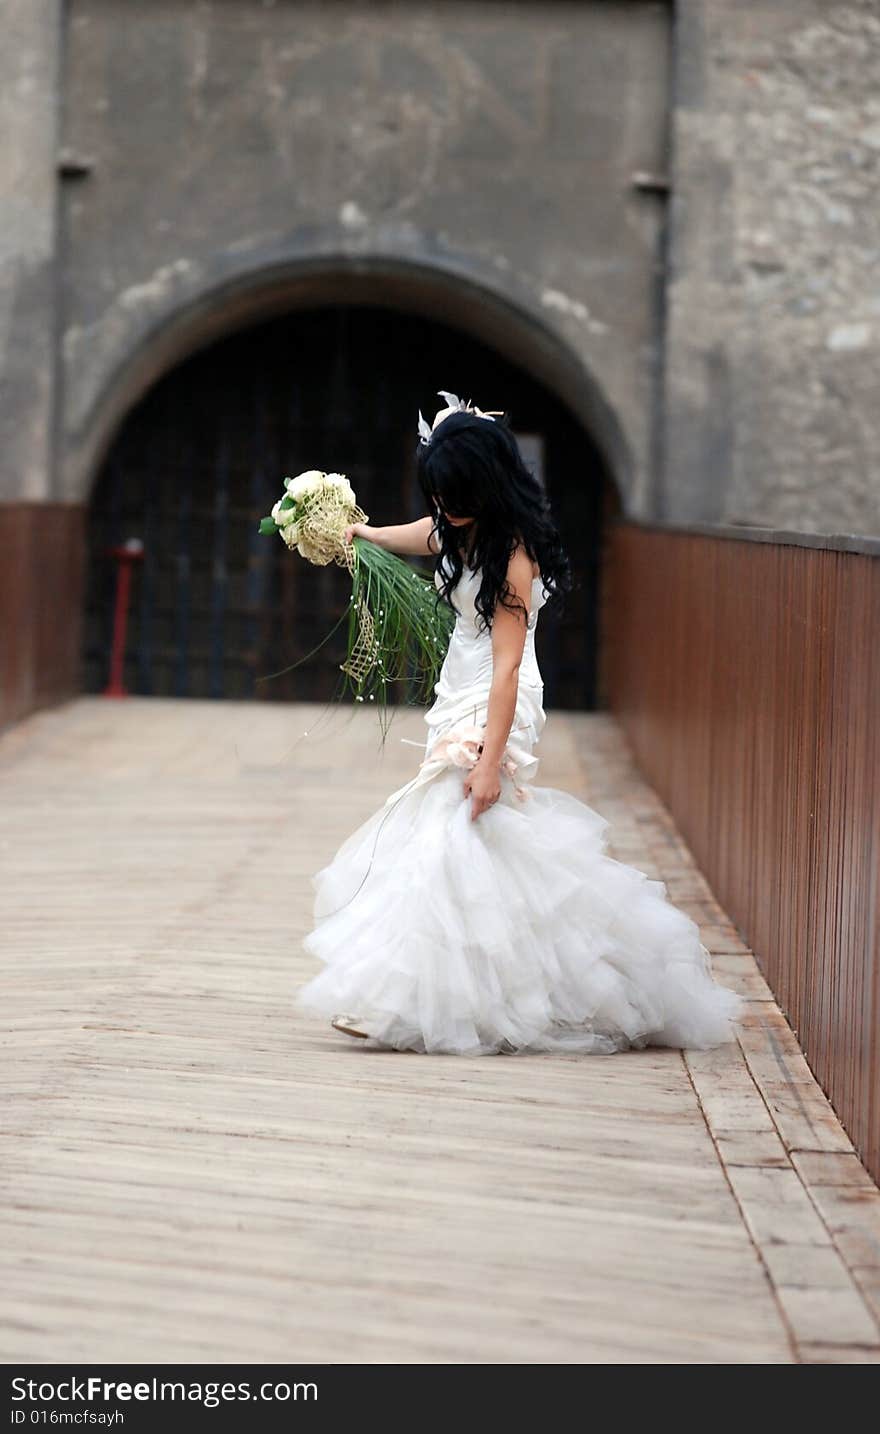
(512, 933)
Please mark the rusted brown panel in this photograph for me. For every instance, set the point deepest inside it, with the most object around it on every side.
(61, 584)
(747, 678)
(41, 584)
(16, 612)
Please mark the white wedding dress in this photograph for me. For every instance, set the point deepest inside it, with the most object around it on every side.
(514, 932)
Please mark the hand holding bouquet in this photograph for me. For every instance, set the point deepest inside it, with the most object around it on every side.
(398, 629)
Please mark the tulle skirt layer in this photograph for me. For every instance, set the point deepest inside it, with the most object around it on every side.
(516, 932)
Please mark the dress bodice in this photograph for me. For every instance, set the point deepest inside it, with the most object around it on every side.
(468, 623)
(466, 675)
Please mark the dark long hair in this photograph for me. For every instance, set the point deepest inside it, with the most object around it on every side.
(473, 467)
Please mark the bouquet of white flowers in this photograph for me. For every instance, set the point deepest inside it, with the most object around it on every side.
(398, 628)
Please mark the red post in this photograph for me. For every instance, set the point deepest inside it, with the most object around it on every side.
(128, 553)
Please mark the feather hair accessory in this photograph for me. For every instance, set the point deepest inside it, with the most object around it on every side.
(454, 405)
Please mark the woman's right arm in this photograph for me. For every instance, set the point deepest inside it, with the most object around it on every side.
(412, 538)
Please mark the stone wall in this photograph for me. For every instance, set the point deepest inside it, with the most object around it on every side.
(509, 150)
(495, 144)
(29, 104)
(773, 321)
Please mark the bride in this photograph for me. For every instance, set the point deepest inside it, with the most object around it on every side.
(477, 912)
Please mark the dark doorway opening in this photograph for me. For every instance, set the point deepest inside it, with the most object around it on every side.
(215, 606)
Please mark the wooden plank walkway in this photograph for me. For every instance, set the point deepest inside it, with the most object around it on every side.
(193, 1171)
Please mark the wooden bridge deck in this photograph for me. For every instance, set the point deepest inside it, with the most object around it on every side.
(193, 1171)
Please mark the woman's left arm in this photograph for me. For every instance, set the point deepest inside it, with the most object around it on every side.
(483, 782)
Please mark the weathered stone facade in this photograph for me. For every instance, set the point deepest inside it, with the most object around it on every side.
(475, 158)
(664, 212)
(29, 107)
(773, 324)
(503, 165)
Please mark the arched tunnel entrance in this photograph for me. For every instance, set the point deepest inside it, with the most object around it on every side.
(216, 608)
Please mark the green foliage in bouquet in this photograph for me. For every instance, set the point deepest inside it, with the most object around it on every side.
(398, 627)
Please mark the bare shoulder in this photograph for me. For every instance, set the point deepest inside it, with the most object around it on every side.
(511, 610)
(521, 570)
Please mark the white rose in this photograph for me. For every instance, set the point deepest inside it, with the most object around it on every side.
(276, 511)
(304, 482)
(339, 480)
(285, 517)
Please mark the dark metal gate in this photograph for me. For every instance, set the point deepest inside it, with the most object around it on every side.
(216, 608)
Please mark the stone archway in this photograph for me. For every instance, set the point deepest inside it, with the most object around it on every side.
(199, 458)
(434, 291)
